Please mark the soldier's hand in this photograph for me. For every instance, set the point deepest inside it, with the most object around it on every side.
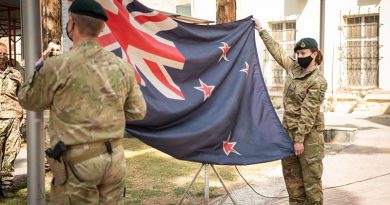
(298, 148)
(46, 52)
(22, 123)
(257, 24)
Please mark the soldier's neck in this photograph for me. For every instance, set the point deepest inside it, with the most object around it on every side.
(309, 68)
(3, 67)
(78, 40)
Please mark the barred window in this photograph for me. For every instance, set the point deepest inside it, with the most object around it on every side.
(284, 34)
(361, 54)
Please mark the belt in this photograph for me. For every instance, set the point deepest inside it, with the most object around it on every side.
(96, 149)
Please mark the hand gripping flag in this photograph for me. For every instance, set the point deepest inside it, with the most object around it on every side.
(205, 93)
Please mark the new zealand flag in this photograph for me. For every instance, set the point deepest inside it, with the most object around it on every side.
(205, 93)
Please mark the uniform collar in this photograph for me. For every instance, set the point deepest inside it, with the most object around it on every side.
(4, 74)
(300, 74)
(84, 43)
(6, 71)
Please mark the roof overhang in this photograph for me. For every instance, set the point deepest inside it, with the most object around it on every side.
(10, 18)
(187, 19)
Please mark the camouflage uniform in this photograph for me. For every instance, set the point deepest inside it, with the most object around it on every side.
(10, 115)
(90, 93)
(303, 94)
(46, 137)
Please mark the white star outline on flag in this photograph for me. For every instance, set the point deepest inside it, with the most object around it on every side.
(228, 147)
(206, 89)
(246, 69)
(225, 49)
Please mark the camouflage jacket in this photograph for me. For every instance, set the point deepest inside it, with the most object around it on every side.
(303, 92)
(90, 93)
(10, 83)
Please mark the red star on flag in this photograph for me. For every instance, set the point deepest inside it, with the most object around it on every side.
(228, 147)
(206, 89)
(225, 48)
(246, 69)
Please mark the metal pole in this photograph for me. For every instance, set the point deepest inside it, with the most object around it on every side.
(322, 31)
(206, 184)
(189, 187)
(66, 42)
(32, 50)
(9, 35)
(224, 186)
(14, 27)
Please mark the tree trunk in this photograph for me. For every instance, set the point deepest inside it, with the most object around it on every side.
(226, 11)
(51, 21)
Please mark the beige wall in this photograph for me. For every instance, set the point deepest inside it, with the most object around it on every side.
(162, 5)
(334, 12)
(304, 12)
(204, 9)
(384, 51)
(307, 16)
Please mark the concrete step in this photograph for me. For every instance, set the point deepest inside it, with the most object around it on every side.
(340, 134)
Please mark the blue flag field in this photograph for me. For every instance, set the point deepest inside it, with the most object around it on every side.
(206, 98)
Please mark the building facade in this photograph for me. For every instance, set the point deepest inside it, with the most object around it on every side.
(351, 33)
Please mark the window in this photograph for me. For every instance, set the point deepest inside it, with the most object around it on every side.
(184, 8)
(284, 34)
(361, 54)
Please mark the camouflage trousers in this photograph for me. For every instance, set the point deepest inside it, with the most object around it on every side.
(99, 180)
(46, 137)
(10, 142)
(302, 174)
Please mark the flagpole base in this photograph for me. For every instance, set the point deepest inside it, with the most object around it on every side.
(206, 188)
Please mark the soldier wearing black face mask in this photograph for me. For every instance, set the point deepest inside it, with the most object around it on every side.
(304, 91)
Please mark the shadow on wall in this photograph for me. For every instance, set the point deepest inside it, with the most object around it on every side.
(368, 2)
(294, 7)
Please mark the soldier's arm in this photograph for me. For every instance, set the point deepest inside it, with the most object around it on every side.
(309, 110)
(276, 50)
(37, 93)
(24, 112)
(135, 106)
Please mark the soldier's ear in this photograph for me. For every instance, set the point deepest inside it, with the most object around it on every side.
(101, 30)
(314, 54)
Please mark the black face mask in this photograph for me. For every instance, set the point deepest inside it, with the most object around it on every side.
(68, 32)
(305, 62)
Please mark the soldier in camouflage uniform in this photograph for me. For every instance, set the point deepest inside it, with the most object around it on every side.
(10, 119)
(303, 94)
(54, 48)
(90, 93)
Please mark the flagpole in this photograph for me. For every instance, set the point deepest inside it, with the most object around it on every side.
(207, 186)
(32, 49)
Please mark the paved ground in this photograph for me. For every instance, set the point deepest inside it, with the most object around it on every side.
(368, 156)
(21, 166)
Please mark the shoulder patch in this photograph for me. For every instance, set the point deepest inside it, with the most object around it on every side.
(323, 87)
